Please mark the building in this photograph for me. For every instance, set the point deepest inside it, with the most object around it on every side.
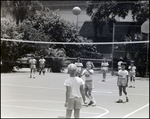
(121, 29)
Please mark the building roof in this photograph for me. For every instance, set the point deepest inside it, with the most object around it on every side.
(121, 28)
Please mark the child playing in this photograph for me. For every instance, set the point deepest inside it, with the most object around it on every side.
(74, 92)
(122, 82)
(79, 65)
(32, 63)
(132, 72)
(119, 63)
(88, 72)
(42, 65)
(104, 68)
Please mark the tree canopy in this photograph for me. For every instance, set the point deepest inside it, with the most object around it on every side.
(43, 25)
(104, 12)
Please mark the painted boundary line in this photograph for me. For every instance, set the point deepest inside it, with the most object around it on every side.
(106, 111)
(135, 111)
(32, 87)
(94, 91)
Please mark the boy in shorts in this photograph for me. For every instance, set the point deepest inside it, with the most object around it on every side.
(79, 65)
(132, 72)
(42, 65)
(74, 92)
(32, 63)
(122, 82)
(104, 68)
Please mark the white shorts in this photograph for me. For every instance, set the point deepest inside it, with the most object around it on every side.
(74, 103)
(132, 74)
(121, 82)
(32, 66)
(42, 66)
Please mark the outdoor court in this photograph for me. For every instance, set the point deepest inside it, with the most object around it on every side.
(44, 97)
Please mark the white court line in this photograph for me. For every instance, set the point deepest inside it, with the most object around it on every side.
(23, 75)
(30, 101)
(135, 111)
(100, 114)
(94, 91)
(33, 87)
(54, 109)
(43, 109)
(13, 76)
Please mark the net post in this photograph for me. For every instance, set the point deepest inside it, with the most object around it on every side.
(113, 49)
(147, 56)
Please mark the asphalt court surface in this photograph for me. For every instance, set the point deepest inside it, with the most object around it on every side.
(44, 97)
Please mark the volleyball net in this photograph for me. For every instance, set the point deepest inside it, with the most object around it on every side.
(112, 51)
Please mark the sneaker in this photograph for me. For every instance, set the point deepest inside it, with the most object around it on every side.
(34, 77)
(94, 104)
(103, 80)
(90, 103)
(133, 86)
(130, 86)
(127, 99)
(86, 102)
(120, 101)
(30, 76)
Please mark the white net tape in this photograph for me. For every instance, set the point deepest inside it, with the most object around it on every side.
(74, 43)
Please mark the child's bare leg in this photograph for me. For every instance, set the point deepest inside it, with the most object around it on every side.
(30, 73)
(76, 113)
(34, 73)
(86, 94)
(68, 113)
(91, 96)
(133, 82)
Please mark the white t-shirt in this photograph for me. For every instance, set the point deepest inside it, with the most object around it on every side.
(42, 61)
(32, 61)
(119, 64)
(132, 68)
(122, 74)
(74, 83)
(104, 65)
(79, 64)
(88, 76)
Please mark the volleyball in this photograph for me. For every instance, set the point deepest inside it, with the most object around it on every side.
(76, 10)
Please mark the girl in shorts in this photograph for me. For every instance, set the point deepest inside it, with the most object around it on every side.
(122, 82)
(88, 72)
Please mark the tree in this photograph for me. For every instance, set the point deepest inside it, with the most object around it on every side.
(106, 11)
(47, 26)
(20, 10)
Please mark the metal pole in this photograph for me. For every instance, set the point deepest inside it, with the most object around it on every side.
(147, 56)
(77, 21)
(113, 49)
